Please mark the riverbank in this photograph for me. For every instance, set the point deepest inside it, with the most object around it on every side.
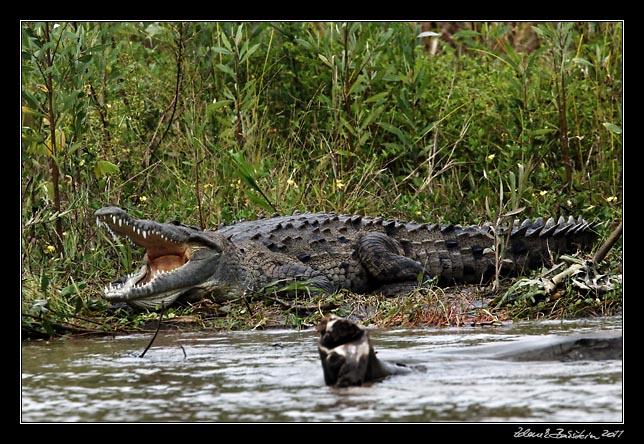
(464, 305)
(211, 122)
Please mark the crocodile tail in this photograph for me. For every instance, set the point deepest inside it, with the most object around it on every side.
(467, 254)
(533, 243)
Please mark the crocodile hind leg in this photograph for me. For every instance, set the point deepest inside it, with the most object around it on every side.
(384, 258)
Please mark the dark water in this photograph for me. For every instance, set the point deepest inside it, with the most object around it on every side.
(276, 376)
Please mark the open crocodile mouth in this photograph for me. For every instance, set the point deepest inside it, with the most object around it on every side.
(163, 253)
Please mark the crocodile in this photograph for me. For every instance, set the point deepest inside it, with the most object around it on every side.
(327, 252)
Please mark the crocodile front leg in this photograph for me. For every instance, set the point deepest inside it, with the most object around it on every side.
(384, 258)
(271, 269)
(294, 272)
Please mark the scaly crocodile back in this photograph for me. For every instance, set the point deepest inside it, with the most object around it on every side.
(451, 252)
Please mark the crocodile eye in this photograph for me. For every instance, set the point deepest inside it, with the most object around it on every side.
(212, 242)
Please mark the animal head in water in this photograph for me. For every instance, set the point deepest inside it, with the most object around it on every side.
(347, 355)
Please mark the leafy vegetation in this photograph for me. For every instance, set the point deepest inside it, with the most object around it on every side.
(211, 122)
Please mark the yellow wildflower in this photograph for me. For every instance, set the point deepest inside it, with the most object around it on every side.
(340, 185)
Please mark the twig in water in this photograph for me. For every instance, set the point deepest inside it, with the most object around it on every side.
(155, 335)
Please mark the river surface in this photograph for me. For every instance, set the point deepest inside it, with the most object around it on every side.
(276, 376)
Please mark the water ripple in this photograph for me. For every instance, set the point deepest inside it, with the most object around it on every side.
(275, 376)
